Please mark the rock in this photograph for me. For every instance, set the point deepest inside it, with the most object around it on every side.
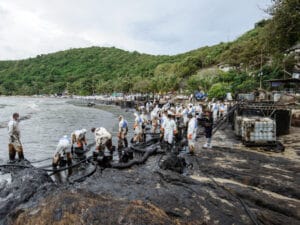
(173, 162)
(27, 184)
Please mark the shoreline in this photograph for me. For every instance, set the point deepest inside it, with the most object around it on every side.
(268, 186)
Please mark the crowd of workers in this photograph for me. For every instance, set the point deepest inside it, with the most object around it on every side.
(175, 124)
(179, 122)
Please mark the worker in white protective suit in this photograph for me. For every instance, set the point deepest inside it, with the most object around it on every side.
(169, 129)
(138, 122)
(79, 141)
(178, 109)
(145, 120)
(192, 132)
(191, 108)
(103, 139)
(14, 143)
(154, 112)
(198, 110)
(154, 116)
(184, 114)
(63, 148)
(215, 110)
(122, 133)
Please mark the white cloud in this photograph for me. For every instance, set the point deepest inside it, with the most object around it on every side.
(32, 27)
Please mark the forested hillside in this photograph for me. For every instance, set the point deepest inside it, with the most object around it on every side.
(104, 70)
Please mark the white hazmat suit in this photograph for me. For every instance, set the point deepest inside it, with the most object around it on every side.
(191, 133)
(170, 128)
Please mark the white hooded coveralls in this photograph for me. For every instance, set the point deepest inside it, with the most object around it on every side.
(102, 136)
(63, 146)
(192, 131)
(137, 124)
(169, 127)
(14, 133)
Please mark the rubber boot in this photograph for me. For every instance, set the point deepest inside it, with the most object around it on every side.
(12, 156)
(55, 161)
(120, 145)
(161, 138)
(12, 153)
(125, 142)
(69, 162)
(95, 155)
(208, 142)
(69, 159)
(169, 147)
(111, 151)
(191, 150)
(21, 155)
(120, 155)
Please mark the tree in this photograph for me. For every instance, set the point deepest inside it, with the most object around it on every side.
(283, 31)
(247, 86)
(218, 90)
(141, 85)
(204, 79)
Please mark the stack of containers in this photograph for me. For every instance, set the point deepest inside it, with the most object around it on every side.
(258, 129)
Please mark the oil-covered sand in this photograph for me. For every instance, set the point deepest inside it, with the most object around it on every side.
(228, 184)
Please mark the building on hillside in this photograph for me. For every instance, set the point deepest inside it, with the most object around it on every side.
(226, 67)
(291, 85)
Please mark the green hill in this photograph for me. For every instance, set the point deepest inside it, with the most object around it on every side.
(104, 70)
(80, 70)
(101, 70)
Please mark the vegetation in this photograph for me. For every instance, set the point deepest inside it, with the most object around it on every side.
(105, 70)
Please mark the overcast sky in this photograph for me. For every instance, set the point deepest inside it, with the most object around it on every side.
(32, 27)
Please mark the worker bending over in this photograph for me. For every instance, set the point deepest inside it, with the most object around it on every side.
(103, 139)
(62, 149)
(79, 141)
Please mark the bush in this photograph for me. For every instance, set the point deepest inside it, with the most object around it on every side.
(218, 90)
